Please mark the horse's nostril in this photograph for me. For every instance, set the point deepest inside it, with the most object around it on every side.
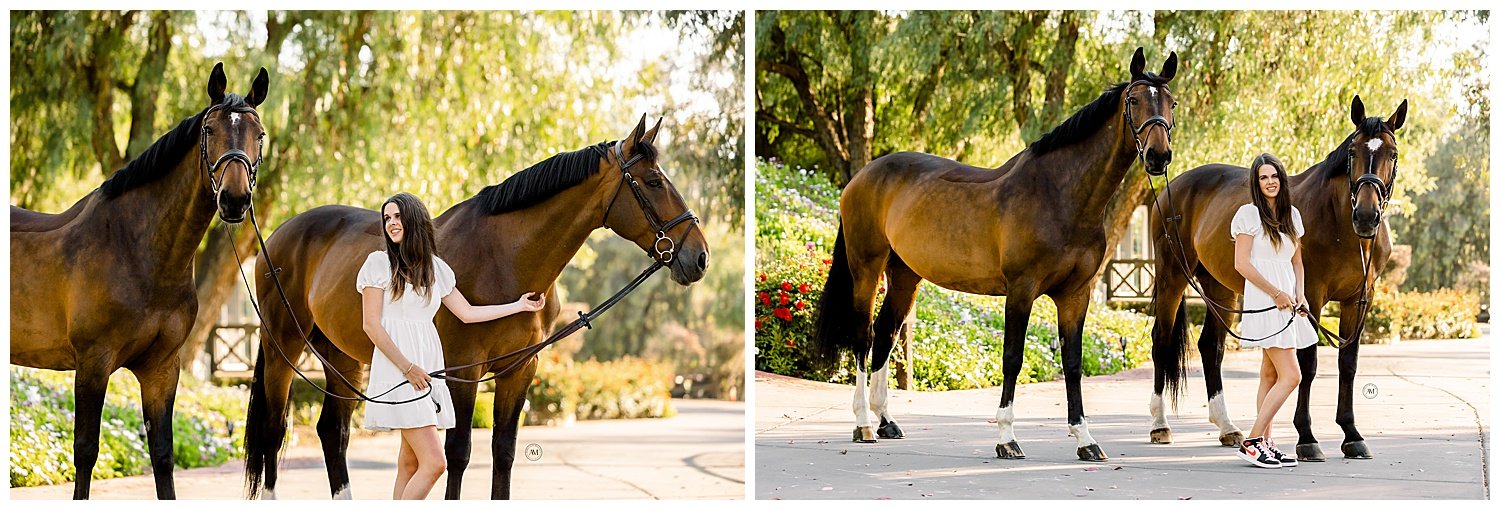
(702, 261)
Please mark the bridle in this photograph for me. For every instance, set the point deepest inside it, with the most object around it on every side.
(220, 165)
(666, 254)
(1370, 178)
(1154, 120)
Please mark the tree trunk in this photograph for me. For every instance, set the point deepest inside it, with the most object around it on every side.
(147, 87)
(98, 71)
(859, 117)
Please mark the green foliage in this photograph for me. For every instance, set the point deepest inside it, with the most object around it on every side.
(484, 410)
(564, 390)
(1417, 315)
(958, 338)
(207, 430)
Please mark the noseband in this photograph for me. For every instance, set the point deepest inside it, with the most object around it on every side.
(1154, 120)
(664, 246)
(220, 165)
(1370, 178)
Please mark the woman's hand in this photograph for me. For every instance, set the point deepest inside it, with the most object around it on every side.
(417, 377)
(1300, 305)
(1283, 300)
(531, 302)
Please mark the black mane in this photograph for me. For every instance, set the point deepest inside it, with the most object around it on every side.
(163, 155)
(1086, 120)
(541, 181)
(1337, 161)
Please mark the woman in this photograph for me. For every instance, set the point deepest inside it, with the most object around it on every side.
(401, 287)
(1267, 237)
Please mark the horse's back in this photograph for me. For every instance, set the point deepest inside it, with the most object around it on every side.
(25, 220)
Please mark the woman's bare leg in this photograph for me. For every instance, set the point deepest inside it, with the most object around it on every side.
(1267, 380)
(1287, 379)
(431, 463)
(406, 466)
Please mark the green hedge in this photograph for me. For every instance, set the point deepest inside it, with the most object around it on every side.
(958, 338)
(1419, 315)
(207, 427)
(565, 390)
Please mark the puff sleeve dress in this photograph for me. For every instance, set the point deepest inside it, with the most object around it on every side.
(1276, 266)
(408, 321)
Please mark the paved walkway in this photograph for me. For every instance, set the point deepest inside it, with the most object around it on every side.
(1427, 424)
(698, 454)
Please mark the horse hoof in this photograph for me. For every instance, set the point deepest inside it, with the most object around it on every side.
(1232, 439)
(1011, 450)
(1310, 452)
(864, 434)
(889, 430)
(1092, 453)
(1161, 436)
(1357, 450)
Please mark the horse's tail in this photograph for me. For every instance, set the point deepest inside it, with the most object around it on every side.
(261, 447)
(835, 322)
(1170, 356)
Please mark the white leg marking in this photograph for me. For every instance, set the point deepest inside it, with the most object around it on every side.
(343, 493)
(1081, 431)
(268, 495)
(1218, 414)
(1158, 413)
(1006, 418)
(861, 401)
(880, 388)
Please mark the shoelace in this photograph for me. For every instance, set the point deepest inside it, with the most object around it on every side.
(1275, 452)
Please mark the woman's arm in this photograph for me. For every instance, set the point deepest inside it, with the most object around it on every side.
(1242, 245)
(468, 313)
(373, 300)
(1301, 292)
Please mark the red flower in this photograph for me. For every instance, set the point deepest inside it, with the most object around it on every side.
(804, 288)
(801, 305)
(783, 314)
(758, 324)
(763, 297)
(786, 286)
(784, 298)
(762, 277)
(827, 262)
(882, 288)
(790, 343)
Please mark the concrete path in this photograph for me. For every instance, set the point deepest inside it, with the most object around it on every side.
(698, 454)
(1427, 424)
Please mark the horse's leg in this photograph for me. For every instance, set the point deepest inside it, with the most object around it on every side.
(1211, 349)
(90, 384)
(510, 396)
(158, 378)
(1071, 311)
(1017, 314)
(1167, 334)
(1307, 360)
(333, 421)
(265, 423)
(867, 258)
(1354, 446)
(902, 285)
(457, 441)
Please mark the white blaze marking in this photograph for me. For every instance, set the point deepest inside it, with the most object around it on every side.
(1373, 144)
(1218, 414)
(1006, 418)
(1153, 91)
(234, 119)
(1158, 413)
(1081, 431)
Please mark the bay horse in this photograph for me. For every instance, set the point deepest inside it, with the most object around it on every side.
(108, 283)
(1346, 245)
(509, 239)
(1033, 227)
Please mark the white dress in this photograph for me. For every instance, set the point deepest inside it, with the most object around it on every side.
(1275, 265)
(408, 321)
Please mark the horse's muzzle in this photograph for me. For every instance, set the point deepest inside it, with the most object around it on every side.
(690, 264)
(1157, 161)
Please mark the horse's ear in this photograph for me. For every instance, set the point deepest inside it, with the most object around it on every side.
(1169, 69)
(1397, 119)
(650, 136)
(1357, 111)
(216, 83)
(627, 144)
(1138, 64)
(258, 89)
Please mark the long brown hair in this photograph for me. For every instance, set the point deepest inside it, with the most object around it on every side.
(411, 260)
(1278, 217)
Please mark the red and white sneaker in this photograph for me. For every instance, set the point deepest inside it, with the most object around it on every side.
(1257, 453)
(1284, 459)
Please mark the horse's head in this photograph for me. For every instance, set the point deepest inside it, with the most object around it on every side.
(647, 209)
(231, 144)
(1147, 107)
(1372, 165)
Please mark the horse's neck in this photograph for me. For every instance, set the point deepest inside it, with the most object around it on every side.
(167, 217)
(1087, 174)
(541, 239)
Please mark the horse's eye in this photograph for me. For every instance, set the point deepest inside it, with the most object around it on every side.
(1132, 100)
(1174, 104)
(655, 183)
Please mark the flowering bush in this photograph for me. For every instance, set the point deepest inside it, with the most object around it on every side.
(1414, 315)
(207, 427)
(565, 390)
(958, 338)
